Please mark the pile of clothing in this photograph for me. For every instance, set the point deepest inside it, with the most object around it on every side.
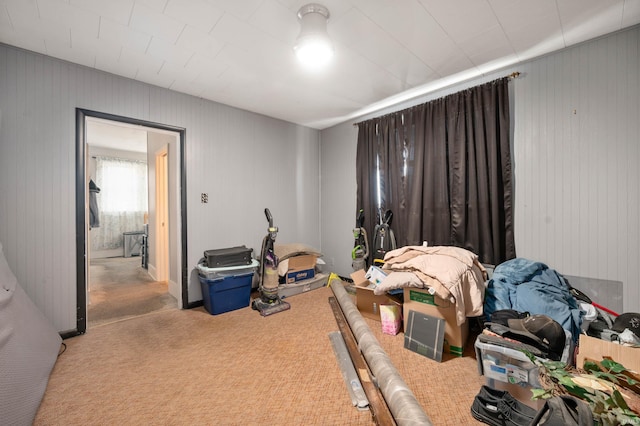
(451, 273)
(527, 286)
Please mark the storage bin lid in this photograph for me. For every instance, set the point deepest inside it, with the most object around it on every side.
(203, 269)
(504, 351)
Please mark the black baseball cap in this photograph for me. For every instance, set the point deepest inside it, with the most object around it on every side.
(630, 320)
(503, 315)
(543, 330)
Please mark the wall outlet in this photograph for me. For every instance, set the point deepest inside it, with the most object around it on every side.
(204, 198)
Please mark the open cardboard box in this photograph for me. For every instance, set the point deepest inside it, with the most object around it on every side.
(301, 267)
(420, 300)
(595, 349)
(302, 262)
(368, 303)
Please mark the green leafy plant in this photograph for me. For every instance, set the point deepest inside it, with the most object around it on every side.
(598, 384)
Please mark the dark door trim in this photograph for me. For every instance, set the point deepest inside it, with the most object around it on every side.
(81, 224)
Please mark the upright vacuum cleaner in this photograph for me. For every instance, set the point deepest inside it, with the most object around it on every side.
(269, 302)
(360, 251)
(383, 238)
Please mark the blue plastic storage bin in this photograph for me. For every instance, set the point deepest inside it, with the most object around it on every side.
(226, 294)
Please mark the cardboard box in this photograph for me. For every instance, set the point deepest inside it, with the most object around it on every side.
(594, 348)
(455, 336)
(300, 268)
(302, 262)
(288, 290)
(301, 275)
(360, 280)
(368, 303)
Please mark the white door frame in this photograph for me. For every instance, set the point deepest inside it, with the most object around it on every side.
(162, 215)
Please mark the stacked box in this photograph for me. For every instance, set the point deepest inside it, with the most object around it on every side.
(226, 289)
(291, 289)
(421, 300)
(295, 276)
(301, 268)
(369, 303)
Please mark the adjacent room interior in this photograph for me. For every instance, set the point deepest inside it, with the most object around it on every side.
(119, 283)
(431, 218)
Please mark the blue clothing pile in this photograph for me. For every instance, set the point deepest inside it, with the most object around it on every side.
(533, 287)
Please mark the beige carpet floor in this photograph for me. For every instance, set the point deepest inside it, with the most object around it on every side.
(184, 367)
(120, 288)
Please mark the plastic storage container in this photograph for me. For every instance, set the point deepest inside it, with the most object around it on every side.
(226, 289)
(506, 365)
(213, 273)
(510, 370)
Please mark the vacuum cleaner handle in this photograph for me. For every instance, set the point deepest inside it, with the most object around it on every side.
(360, 218)
(388, 215)
(267, 213)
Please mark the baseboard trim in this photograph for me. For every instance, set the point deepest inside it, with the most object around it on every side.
(153, 272)
(69, 333)
(197, 304)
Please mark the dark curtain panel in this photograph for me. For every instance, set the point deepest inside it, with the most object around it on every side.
(444, 169)
(366, 174)
(375, 167)
(431, 179)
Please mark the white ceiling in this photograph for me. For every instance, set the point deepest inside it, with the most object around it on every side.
(239, 52)
(116, 135)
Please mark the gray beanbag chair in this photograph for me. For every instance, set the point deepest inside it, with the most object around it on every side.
(29, 348)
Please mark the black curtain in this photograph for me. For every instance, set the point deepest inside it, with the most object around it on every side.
(444, 169)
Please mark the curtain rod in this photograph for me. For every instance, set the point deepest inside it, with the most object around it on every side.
(514, 74)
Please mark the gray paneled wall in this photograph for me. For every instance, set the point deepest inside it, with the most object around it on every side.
(244, 161)
(576, 151)
(576, 118)
(577, 154)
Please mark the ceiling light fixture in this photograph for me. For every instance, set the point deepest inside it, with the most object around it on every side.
(313, 46)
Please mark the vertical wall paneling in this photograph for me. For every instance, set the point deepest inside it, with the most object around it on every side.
(592, 166)
(576, 162)
(338, 196)
(244, 161)
(576, 155)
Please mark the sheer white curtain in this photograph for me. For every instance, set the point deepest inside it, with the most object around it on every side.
(122, 200)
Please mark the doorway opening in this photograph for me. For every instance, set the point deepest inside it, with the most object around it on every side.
(151, 256)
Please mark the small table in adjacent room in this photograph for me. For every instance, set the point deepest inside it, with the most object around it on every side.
(133, 243)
